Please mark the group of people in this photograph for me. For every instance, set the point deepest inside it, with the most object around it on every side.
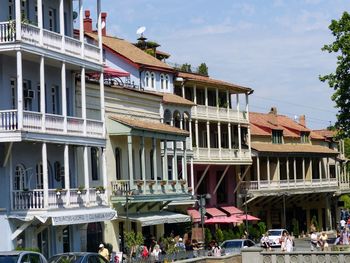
(286, 241)
(318, 241)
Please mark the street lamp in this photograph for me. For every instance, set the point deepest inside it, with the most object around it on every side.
(246, 195)
(201, 203)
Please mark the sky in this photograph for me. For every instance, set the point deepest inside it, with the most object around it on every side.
(271, 46)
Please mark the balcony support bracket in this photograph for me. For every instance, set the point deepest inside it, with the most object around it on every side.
(20, 230)
(241, 178)
(221, 178)
(8, 154)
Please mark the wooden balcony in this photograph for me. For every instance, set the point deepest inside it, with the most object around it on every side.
(218, 114)
(223, 154)
(50, 124)
(30, 34)
(34, 199)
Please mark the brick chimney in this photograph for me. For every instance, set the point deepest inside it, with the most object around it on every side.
(87, 22)
(273, 116)
(302, 120)
(103, 21)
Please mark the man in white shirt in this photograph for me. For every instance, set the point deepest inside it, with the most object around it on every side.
(342, 224)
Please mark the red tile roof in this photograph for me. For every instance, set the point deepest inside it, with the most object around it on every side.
(291, 148)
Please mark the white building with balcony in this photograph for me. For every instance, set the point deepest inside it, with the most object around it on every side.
(297, 173)
(52, 154)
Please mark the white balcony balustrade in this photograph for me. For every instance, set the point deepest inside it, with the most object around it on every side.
(30, 34)
(223, 154)
(34, 199)
(54, 124)
(218, 114)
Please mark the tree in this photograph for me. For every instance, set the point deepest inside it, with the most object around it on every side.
(340, 79)
(186, 67)
(203, 69)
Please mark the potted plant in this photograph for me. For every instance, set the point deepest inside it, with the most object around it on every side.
(81, 189)
(139, 183)
(172, 182)
(151, 182)
(58, 191)
(182, 182)
(100, 189)
(162, 182)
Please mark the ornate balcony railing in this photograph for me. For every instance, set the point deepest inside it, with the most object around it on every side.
(218, 114)
(221, 154)
(30, 34)
(53, 124)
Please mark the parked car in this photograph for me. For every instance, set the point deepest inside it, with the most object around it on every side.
(21, 257)
(235, 245)
(77, 257)
(275, 235)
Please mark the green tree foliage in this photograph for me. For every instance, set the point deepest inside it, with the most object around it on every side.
(186, 67)
(208, 236)
(203, 69)
(347, 147)
(219, 235)
(340, 79)
(346, 199)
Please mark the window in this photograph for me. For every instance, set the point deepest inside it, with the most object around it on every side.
(24, 9)
(28, 95)
(118, 160)
(55, 99)
(166, 81)
(147, 79)
(20, 176)
(277, 136)
(153, 80)
(94, 163)
(162, 81)
(200, 97)
(13, 93)
(36, 15)
(39, 176)
(170, 167)
(304, 137)
(52, 20)
(11, 8)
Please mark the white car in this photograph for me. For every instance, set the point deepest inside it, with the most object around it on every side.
(275, 235)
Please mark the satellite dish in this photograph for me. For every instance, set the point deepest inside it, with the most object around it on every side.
(140, 30)
(75, 15)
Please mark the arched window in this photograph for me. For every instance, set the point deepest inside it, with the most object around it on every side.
(19, 182)
(153, 80)
(177, 119)
(147, 79)
(118, 162)
(166, 81)
(95, 163)
(162, 81)
(167, 117)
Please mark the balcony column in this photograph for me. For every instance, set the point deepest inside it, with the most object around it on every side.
(86, 175)
(303, 170)
(336, 171)
(268, 170)
(217, 101)
(19, 90)
(237, 105)
(192, 175)
(66, 173)
(45, 175)
(258, 170)
(143, 160)
(295, 171)
(229, 136)
(196, 136)
(104, 169)
(102, 102)
(99, 29)
(64, 95)
(208, 138)
(184, 163)
(165, 161)
(320, 169)
(206, 101)
(18, 19)
(219, 138)
(154, 160)
(175, 173)
(83, 99)
(130, 161)
(81, 25)
(287, 170)
(247, 105)
(228, 104)
(239, 140)
(183, 89)
(278, 171)
(61, 15)
(190, 131)
(42, 92)
(40, 20)
(195, 98)
(249, 140)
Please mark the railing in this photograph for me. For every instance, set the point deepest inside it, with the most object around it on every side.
(289, 184)
(223, 154)
(125, 187)
(218, 114)
(7, 32)
(34, 199)
(54, 124)
(51, 40)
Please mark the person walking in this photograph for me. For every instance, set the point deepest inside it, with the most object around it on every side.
(103, 251)
(289, 243)
(313, 241)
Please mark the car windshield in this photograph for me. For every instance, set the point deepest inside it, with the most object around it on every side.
(275, 232)
(233, 244)
(65, 259)
(8, 258)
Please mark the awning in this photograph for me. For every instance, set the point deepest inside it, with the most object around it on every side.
(158, 218)
(194, 214)
(112, 72)
(214, 212)
(232, 210)
(223, 220)
(70, 216)
(247, 217)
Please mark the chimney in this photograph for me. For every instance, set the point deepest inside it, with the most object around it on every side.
(273, 116)
(87, 22)
(103, 21)
(273, 110)
(302, 120)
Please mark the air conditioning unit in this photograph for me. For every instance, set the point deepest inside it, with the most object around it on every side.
(28, 94)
